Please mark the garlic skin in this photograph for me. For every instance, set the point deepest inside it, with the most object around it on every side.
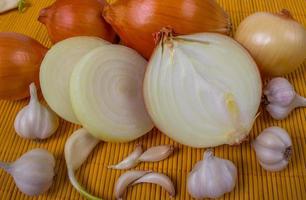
(35, 121)
(212, 177)
(282, 98)
(273, 148)
(33, 172)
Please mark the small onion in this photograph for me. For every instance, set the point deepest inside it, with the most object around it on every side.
(276, 41)
(136, 20)
(20, 58)
(202, 90)
(70, 18)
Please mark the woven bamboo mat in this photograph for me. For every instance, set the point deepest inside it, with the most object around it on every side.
(253, 181)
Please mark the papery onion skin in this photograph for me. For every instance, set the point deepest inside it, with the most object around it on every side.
(70, 18)
(202, 90)
(20, 59)
(276, 41)
(106, 94)
(136, 20)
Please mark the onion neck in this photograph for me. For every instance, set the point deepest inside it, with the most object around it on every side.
(285, 14)
(110, 2)
(43, 15)
(165, 34)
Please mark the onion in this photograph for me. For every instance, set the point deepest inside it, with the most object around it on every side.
(202, 90)
(70, 18)
(20, 58)
(276, 41)
(56, 70)
(136, 20)
(106, 94)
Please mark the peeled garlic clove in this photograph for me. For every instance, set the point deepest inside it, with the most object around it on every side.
(33, 172)
(212, 177)
(159, 179)
(273, 148)
(130, 161)
(156, 153)
(35, 121)
(77, 148)
(282, 98)
(125, 180)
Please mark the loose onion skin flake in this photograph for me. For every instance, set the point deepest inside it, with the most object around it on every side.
(106, 94)
(202, 90)
(56, 70)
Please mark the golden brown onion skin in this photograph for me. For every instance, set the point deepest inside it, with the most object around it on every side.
(135, 21)
(70, 18)
(20, 59)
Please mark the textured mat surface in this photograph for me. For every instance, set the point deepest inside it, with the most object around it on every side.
(253, 181)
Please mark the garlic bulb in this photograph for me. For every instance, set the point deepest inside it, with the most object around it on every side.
(282, 98)
(202, 90)
(35, 120)
(273, 148)
(6, 5)
(33, 172)
(212, 177)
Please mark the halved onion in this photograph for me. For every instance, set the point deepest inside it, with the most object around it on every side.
(202, 90)
(56, 69)
(106, 93)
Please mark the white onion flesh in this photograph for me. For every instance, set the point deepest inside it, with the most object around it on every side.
(106, 94)
(202, 90)
(56, 70)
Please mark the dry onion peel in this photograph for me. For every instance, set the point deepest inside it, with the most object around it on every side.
(56, 70)
(202, 90)
(20, 60)
(77, 148)
(136, 20)
(276, 41)
(106, 94)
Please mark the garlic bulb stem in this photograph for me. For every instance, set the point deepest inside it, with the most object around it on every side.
(4, 166)
(153, 154)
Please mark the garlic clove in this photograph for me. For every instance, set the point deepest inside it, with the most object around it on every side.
(159, 179)
(156, 153)
(152, 154)
(33, 172)
(35, 120)
(273, 148)
(278, 112)
(125, 180)
(268, 155)
(130, 161)
(77, 148)
(276, 166)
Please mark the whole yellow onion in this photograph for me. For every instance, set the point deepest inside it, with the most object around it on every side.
(276, 41)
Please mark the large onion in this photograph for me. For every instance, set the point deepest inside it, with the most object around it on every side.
(277, 42)
(56, 70)
(202, 90)
(136, 20)
(70, 18)
(106, 93)
(20, 58)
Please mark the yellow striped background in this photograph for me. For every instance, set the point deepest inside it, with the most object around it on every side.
(253, 181)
